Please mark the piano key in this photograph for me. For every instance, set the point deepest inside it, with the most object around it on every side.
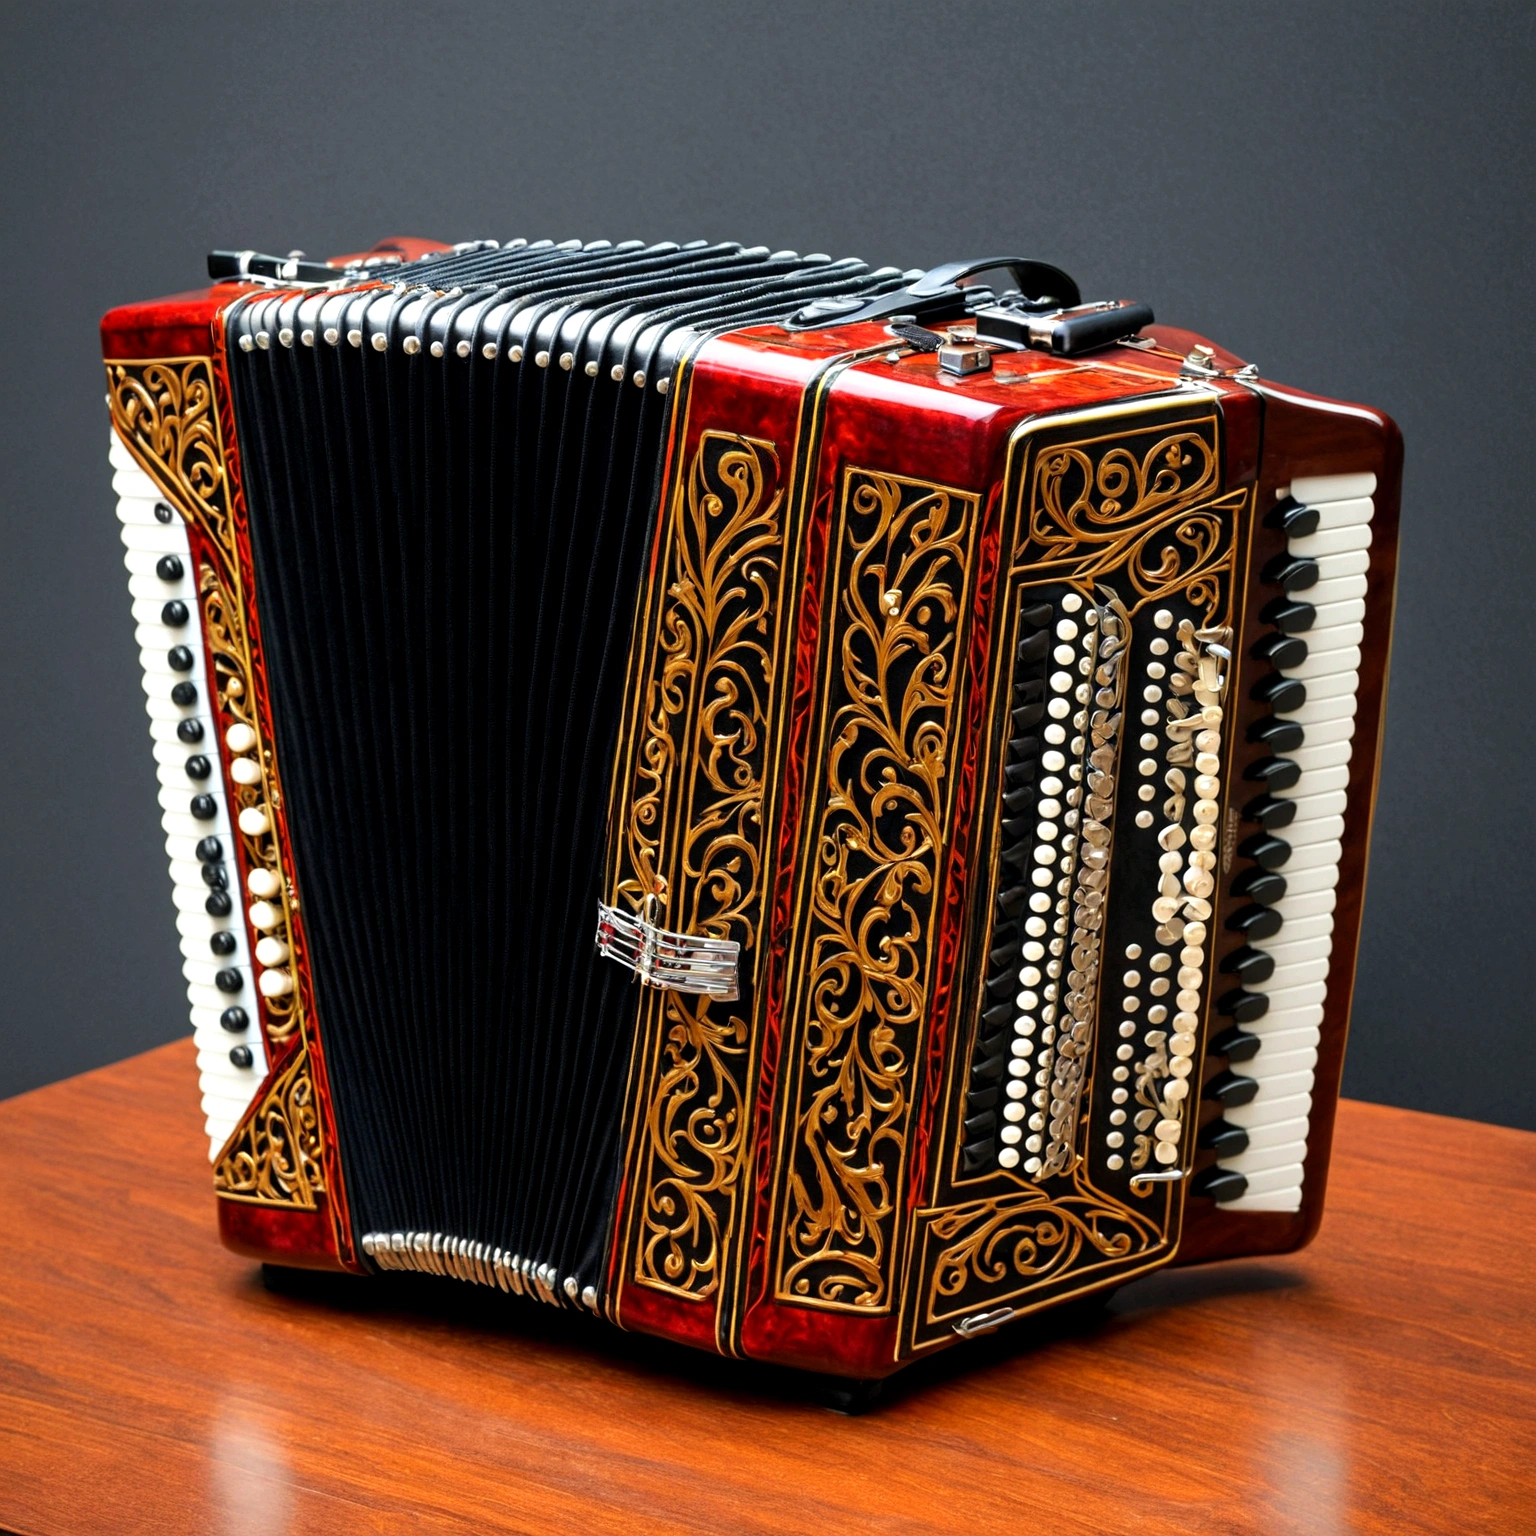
(1271, 1109)
(1276, 1086)
(1314, 856)
(1337, 587)
(1334, 685)
(1327, 733)
(1278, 1133)
(1302, 995)
(1339, 615)
(1324, 661)
(1332, 541)
(1299, 930)
(150, 588)
(1290, 948)
(1294, 905)
(1294, 972)
(1258, 1160)
(154, 538)
(1285, 1180)
(1284, 1020)
(1330, 802)
(1313, 755)
(1314, 489)
(1280, 1041)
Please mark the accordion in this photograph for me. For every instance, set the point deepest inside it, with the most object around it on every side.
(808, 810)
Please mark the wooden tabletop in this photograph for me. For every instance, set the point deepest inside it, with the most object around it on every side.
(149, 1381)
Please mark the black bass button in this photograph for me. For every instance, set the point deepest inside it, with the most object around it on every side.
(1236, 1044)
(228, 980)
(1255, 923)
(1284, 695)
(1224, 1139)
(1269, 852)
(1292, 518)
(1287, 652)
(169, 568)
(1291, 573)
(1230, 1089)
(1289, 616)
(1251, 966)
(1271, 812)
(1259, 885)
(1273, 773)
(1219, 1184)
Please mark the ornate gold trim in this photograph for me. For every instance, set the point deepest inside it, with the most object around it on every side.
(692, 839)
(900, 583)
(275, 1155)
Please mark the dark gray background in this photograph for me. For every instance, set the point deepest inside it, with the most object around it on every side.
(1341, 193)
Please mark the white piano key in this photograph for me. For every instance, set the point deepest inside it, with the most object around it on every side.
(1332, 541)
(146, 610)
(158, 638)
(1327, 662)
(1259, 1160)
(1351, 562)
(1325, 639)
(210, 997)
(160, 674)
(1261, 1137)
(200, 973)
(1308, 882)
(190, 898)
(150, 589)
(1304, 994)
(163, 728)
(1312, 856)
(1270, 1066)
(1329, 732)
(1310, 490)
(1287, 1199)
(1334, 586)
(1330, 801)
(1293, 973)
(1270, 1109)
(1283, 1040)
(1302, 929)
(183, 826)
(1294, 905)
(142, 562)
(181, 847)
(219, 1073)
(154, 538)
(1283, 1020)
(1288, 948)
(1316, 711)
(1337, 615)
(1285, 1179)
(200, 927)
(159, 706)
(1312, 755)
(174, 801)
(1333, 686)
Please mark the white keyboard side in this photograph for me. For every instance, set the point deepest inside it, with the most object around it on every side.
(227, 1089)
(1278, 1116)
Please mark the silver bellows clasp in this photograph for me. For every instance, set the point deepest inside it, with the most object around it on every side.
(679, 962)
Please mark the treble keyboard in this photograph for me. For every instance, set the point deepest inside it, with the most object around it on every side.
(1291, 865)
(216, 963)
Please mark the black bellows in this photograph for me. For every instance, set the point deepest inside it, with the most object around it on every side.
(447, 553)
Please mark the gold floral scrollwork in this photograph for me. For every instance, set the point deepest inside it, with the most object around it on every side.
(275, 1157)
(901, 584)
(692, 837)
(167, 415)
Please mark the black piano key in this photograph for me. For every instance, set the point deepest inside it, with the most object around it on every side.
(234, 1019)
(1251, 966)
(179, 658)
(1027, 715)
(1273, 772)
(1016, 855)
(1289, 616)
(1271, 812)
(210, 850)
(1269, 852)
(1224, 1139)
(1017, 799)
(174, 614)
(1011, 900)
(1231, 1089)
(1283, 694)
(169, 568)
(1018, 826)
(1037, 615)
(1003, 985)
(1243, 1005)
(1291, 573)
(163, 513)
(218, 904)
(1028, 690)
(1219, 1184)
(981, 1125)
(976, 1156)
(1255, 922)
(1260, 885)
(1284, 651)
(1033, 648)
(986, 1073)
(240, 1055)
(216, 877)
(1023, 769)
(992, 1045)
(223, 942)
(1236, 1044)
(228, 980)
(998, 1016)
(1292, 518)
(1006, 953)
(204, 807)
(1277, 734)
(184, 694)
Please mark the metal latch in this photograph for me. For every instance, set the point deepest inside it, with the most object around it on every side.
(676, 962)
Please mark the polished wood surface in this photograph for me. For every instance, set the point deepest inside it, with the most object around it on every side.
(1382, 1380)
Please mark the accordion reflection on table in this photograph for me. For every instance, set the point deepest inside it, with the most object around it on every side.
(808, 810)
